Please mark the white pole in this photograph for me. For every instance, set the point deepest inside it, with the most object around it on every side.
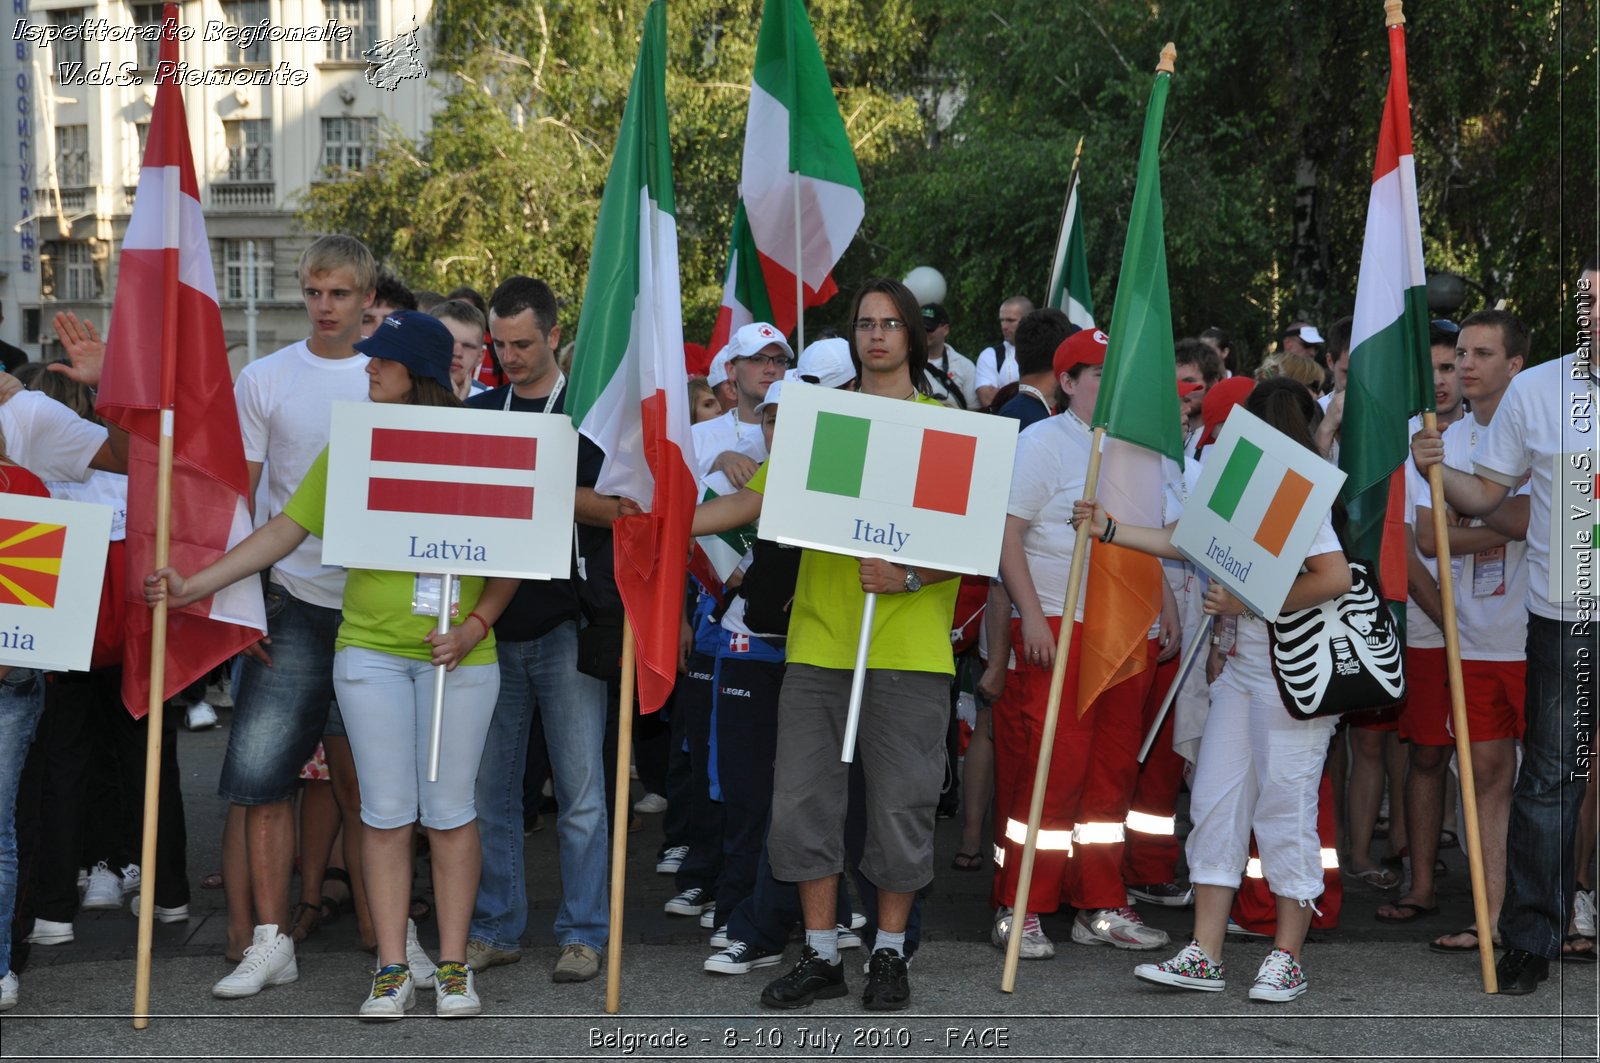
(447, 591)
(1191, 653)
(250, 299)
(800, 289)
(858, 679)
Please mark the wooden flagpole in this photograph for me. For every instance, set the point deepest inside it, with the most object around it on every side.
(619, 822)
(1052, 710)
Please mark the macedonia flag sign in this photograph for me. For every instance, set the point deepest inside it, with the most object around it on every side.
(1257, 507)
(915, 483)
(52, 563)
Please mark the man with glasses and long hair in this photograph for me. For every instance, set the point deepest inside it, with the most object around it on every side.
(731, 444)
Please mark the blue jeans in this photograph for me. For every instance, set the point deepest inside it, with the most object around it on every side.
(540, 679)
(21, 705)
(1556, 765)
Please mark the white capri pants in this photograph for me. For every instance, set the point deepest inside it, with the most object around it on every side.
(1259, 769)
(387, 702)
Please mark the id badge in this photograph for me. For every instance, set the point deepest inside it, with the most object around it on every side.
(425, 594)
(1489, 572)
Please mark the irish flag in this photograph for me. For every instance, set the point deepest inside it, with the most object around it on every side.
(800, 200)
(628, 392)
(165, 311)
(1284, 496)
(859, 458)
(1390, 376)
(1069, 270)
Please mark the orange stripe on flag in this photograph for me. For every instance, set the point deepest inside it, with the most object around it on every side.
(1281, 514)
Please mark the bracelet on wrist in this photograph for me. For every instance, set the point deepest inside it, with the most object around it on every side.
(1111, 529)
(474, 615)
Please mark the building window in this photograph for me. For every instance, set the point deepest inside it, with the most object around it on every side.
(249, 149)
(347, 143)
(72, 156)
(67, 52)
(69, 271)
(147, 52)
(241, 13)
(141, 130)
(361, 18)
(236, 269)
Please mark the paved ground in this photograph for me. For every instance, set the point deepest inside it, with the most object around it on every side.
(1377, 992)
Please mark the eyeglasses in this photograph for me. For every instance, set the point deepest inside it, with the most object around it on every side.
(1445, 325)
(780, 361)
(888, 324)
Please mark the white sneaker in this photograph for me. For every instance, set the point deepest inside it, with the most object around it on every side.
(1035, 945)
(859, 920)
(720, 939)
(104, 892)
(1189, 969)
(200, 717)
(422, 968)
(708, 918)
(131, 879)
(650, 804)
(1243, 931)
(456, 996)
(848, 939)
(180, 914)
(83, 879)
(392, 995)
(219, 695)
(1280, 978)
(1120, 927)
(741, 958)
(1583, 912)
(671, 860)
(8, 991)
(269, 961)
(691, 902)
(46, 932)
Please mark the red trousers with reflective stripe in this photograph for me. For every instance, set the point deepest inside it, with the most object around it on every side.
(1093, 770)
(1254, 906)
(1148, 857)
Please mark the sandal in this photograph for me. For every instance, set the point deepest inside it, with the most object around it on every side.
(421, 910)
(1438, 945)
(305, 920)
(1570, 953)
(1410, 912)
(1379, 878)
(333, 907)
(212, 881)
(967, 862)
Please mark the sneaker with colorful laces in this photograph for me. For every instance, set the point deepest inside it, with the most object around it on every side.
(393, 994)
(456, 997)
(1119, 927)
(1279, 979)
(1189, 969)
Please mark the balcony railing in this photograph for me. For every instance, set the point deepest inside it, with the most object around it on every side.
(75, 200)
(243, 195)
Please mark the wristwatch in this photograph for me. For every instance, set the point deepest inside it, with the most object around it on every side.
(913, 581)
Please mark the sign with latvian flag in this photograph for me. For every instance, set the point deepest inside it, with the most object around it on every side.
(426, 489)
(911, 482)
(52, 562)
(1257, 507)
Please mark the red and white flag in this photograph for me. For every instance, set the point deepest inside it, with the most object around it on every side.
(483, 475)
(166, 372)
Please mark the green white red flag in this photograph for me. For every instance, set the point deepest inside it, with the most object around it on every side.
(800, 200)
(1390, 377)
(628, 392)
(1069, 289)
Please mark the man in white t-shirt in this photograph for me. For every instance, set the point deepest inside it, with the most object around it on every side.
(285, 403)
(1544, 430)
(997, 366)
(950, 374)
(1490, 573)
(731, 444)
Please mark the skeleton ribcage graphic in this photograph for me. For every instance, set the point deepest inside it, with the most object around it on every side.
(1316, 647)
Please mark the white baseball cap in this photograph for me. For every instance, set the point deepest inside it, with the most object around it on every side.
(774, 396)
(718, 373)
(826, 362)
(756, 337)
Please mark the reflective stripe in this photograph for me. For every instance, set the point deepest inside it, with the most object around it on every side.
(1252, 869)
(1145, 823)
(1053, 840)
(1097, 833)
(1330, 861)
(999, 856)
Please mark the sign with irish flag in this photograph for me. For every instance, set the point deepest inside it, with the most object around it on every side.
(52, 562)
(1257, 507)
(914, 483)
(473, 492)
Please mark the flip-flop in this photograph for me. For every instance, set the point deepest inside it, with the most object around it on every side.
(212, 881)
(1377, 877)
(1437, 945)
(967, 862)
(1416, 911)
(1578, 955)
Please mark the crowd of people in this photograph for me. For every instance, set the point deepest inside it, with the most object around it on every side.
(768, 834)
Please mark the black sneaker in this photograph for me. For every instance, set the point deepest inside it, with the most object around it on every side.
(812, 979)
(888, 982)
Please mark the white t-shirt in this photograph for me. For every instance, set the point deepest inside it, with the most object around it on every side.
(1421, 632)
(285, 403)
(988, 376)
(1545, 413)
(47, 438)
(1047, 478)
(102, 489)
(723, 433)
(961, 371)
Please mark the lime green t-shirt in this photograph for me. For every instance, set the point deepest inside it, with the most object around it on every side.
(910, 631)
(377, 605)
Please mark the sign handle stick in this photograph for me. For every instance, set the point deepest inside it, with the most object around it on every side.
(858, 680)
(619, 818)
(1191, 653)
(799, 275)
(447, 591)
(1458, 716)
(1052, 711)
(152, 744)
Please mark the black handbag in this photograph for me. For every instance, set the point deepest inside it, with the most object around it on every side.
(1341, 656)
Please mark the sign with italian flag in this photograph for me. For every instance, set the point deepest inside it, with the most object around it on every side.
(914, 483)
(429, 489)
(52, 562)
(1257, 508)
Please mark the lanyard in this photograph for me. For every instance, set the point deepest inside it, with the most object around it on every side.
(549, 402)
(1029, 389)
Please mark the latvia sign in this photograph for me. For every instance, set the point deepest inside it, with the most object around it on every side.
(52, 562)
(1257, 507)
(914, 483)
(472, 492)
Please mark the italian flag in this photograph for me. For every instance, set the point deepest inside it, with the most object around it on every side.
(628, 392)
(800, 200)
(1069, 271)
(857, 457)
(1390, 377)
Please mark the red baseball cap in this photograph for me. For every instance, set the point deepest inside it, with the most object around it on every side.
(1220, 401)
(1187, 388)
(1084, 347)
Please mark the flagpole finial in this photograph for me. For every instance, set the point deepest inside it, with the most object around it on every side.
(1392, 15)
(1078, 152)
(1170, 53)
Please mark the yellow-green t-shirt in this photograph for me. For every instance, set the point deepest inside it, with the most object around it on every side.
(910, 631)
(377, 605)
